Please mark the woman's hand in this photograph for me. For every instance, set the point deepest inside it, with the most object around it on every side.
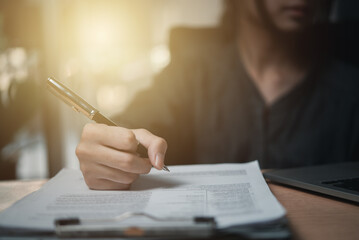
(109, 159)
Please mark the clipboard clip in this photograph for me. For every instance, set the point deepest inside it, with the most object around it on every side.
(158, 227)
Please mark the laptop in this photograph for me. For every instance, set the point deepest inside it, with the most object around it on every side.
(339, 180)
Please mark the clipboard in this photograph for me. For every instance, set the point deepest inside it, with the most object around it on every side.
(196, 227)
(168, 228)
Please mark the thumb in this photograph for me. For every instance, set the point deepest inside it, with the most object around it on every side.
(156, 146)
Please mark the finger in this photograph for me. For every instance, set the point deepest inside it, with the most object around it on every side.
(103, 184)
(98, 171)
(128, 162)
(111, 136)
(156, 146)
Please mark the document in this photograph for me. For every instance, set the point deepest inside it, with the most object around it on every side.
(234, 194)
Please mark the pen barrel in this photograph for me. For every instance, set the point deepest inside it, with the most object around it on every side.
(99, 118)
(70, 98)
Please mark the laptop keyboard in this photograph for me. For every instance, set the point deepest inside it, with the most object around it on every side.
(350, 184)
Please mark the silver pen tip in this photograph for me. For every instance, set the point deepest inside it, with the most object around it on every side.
(165, 168)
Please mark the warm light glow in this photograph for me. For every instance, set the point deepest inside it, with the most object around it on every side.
(17, 57)
(71, 67)
(136, 70)
(111, 97)
(13, 68)
(98, 40)
(98, 35)
(160, 57)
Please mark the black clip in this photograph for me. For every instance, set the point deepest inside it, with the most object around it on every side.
(197, 227)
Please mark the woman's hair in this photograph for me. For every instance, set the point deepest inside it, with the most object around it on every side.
(228, 21)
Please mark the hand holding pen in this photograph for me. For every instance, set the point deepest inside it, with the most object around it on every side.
(108, 153)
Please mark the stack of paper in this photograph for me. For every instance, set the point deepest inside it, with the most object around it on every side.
(234, 194)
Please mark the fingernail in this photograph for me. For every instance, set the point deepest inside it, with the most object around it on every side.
(159, 160)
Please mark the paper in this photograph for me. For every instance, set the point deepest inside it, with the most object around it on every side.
(234, 194)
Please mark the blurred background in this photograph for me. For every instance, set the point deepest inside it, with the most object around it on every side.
(105, 50)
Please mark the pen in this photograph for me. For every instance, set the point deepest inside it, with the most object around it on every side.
(80, 105)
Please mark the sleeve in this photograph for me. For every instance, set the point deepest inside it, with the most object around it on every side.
(354, 143)
(166, 109)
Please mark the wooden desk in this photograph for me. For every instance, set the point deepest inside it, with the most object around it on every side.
(11, 191)
(314, 216)
(311, 216)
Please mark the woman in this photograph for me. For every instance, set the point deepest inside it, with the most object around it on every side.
(261, 87)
